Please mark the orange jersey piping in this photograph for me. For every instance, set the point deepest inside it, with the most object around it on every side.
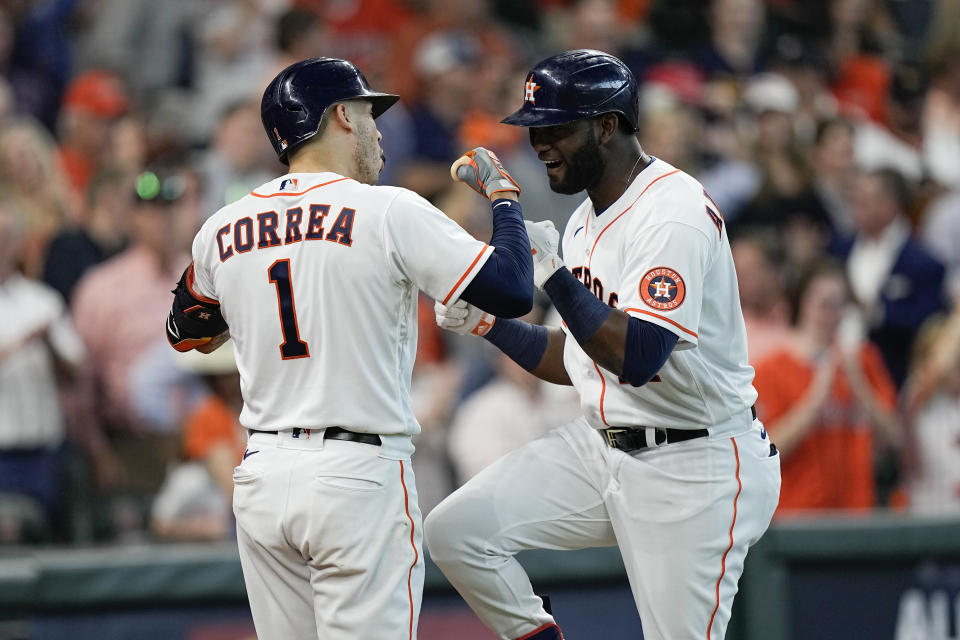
(620, 215)
(416, 552)
(297, 193)
(664, 318)
(466, 273)
(723, 561)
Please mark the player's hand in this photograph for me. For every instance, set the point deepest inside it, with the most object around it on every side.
(463, 318)
(544, 244)
(480, 169)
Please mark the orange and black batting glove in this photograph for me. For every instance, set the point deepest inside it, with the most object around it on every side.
(481, 170)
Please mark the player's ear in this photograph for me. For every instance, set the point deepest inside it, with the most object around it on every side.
(607, 126)
(341, 114)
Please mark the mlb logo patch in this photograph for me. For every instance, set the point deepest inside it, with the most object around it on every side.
(283, 142)
(288, 184)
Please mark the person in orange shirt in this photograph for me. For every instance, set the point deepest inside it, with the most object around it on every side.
(827, 399)
(195, 500)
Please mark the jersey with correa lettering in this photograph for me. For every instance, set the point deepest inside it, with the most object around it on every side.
(317, 278)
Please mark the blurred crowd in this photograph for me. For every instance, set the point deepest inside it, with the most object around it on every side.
(826, 131)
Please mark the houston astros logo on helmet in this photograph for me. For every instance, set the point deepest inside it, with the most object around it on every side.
(529, 89)
(662, 288)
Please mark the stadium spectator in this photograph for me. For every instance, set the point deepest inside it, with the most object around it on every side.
(195, 500)
(940, 233)
(234, 45)
(827, 401)
(670, 128)
(299, 34)
(588, 24)
(932, 409)
(803, 63)
(784, 198)
(117, 307)
(92, 103)
(238, 160)
(760, 276)
(941, 121)
(130, 147)
(894, 140)
(99, 234)
(32, 183)
(121, 34)
(833, 169)
(735, 48)
(510, 410)
(895, 281)
(40, 62)
(446, 63)
(36, 338)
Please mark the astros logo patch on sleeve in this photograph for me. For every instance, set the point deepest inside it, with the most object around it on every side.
(662, 288)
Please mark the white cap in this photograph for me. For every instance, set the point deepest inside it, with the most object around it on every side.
(444, 51)
(771, 92)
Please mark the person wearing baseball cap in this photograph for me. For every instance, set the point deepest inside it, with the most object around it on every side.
(91, 103)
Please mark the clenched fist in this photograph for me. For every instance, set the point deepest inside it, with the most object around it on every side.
(481, 170)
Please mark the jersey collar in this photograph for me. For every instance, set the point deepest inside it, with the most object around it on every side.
(295, 184)
(636, 186)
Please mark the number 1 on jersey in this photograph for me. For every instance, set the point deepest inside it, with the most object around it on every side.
(293, 346)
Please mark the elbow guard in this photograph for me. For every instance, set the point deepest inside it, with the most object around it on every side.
(193, 319)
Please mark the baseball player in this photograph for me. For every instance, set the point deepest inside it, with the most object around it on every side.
(315, 276)
(668, 461)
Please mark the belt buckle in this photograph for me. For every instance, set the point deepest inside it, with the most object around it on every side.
(611, 435)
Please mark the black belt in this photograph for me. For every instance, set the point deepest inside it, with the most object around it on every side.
(629, 439)
(339, 433)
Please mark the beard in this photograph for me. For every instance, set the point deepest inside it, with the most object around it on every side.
(583, 169)
(366, 155)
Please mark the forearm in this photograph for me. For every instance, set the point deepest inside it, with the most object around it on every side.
(595, 326)
(504, 285)
(537, 349)
(628, 347)
(550, 368)
(215, 343)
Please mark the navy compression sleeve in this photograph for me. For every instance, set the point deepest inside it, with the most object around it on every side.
(504, 285)
(582, 311)
(648, 347)
(522, 341)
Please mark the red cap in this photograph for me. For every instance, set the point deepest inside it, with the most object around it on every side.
(683, 79)
(862, 87)
(98, 93)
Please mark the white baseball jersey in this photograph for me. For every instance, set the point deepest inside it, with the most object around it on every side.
(317, 278)
(660, 253)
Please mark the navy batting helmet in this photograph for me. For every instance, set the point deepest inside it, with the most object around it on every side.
(297, 98)
(577, 84)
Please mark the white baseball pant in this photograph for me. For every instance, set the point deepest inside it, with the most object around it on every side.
(683, 515)
(330, 539)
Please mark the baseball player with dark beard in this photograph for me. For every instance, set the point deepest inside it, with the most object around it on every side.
(315, 276)
(669, 460)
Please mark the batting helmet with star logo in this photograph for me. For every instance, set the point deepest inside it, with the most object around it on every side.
(574, 85)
